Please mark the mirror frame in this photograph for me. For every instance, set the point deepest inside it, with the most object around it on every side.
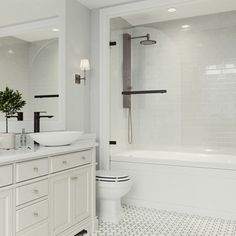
(11, 30)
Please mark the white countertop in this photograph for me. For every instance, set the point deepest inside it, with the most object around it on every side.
(23, 154)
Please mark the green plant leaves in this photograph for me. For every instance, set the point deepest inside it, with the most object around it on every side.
(11, 101)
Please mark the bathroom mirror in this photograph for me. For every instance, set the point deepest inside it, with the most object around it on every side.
(29, 63)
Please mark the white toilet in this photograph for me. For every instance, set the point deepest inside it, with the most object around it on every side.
(111, 187)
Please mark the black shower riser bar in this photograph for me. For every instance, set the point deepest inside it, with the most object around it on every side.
(143, 92)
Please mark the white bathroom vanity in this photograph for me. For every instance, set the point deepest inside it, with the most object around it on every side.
(48, 191)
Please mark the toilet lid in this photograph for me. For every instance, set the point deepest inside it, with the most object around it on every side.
(111, 176)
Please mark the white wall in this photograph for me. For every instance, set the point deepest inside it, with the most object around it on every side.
(94, 75)
(77, 48)
(157, 117)
(151, 114)
(198, 68)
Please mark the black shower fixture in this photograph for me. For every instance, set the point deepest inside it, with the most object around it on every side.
(127, 83)
(147, 41)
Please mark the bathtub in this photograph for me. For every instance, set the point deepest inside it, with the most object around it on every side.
(193, 183)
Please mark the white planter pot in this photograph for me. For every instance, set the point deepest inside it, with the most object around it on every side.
(7, 140)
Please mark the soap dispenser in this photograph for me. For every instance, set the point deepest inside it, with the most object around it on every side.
(23, 139)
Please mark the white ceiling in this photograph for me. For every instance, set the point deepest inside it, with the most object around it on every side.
(20, 11)
(211, 23)
(38, 35)
(198, 8)
(92, 4)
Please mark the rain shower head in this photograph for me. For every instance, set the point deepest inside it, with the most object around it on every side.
(147, 41)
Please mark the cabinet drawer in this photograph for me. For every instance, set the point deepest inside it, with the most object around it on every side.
(31, 192)
(6, 175)
(42, 230)
(63, 162)
(31, 215)
(31, 169)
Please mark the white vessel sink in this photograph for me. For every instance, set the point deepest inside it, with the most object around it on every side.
(56, 138)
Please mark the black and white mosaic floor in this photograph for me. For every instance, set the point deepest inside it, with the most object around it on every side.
(151, 222)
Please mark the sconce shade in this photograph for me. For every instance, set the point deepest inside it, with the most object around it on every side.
(84, 64)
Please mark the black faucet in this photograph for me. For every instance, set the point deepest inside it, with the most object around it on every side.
(37, 117)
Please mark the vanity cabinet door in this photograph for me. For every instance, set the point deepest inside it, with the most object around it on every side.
(70, 199)
(81, 194)
(6, 213)
(60, 203)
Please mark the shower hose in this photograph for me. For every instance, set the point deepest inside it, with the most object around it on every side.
(130, 126)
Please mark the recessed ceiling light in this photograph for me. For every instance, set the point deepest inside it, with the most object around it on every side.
(172, 9)
(55, 30)
(10, 51)
(185, 26)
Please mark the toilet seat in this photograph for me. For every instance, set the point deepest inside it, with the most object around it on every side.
(111, 176)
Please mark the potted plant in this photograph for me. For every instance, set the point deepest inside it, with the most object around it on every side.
(11, 102)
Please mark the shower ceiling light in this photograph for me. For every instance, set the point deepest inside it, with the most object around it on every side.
(10, 51)
(172, 10)
(185, 26)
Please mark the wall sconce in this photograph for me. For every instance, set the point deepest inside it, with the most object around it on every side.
(85, 66)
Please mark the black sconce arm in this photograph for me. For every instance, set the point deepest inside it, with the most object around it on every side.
(78, 78)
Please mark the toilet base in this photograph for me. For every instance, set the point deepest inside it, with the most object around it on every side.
(109, 210)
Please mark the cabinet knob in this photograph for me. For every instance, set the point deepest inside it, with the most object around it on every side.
(64, 162)
(36, 191)
(83, 157)
(36, 169)
(36, 214)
